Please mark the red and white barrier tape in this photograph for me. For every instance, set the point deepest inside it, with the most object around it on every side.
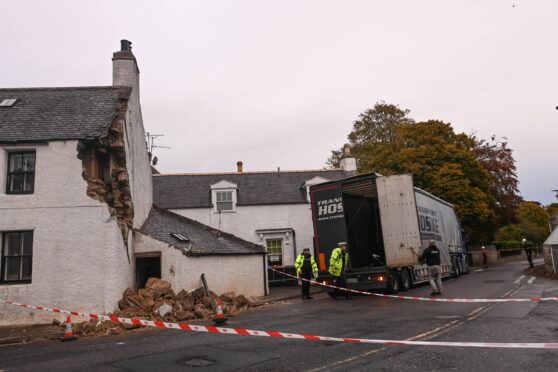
(298, 336)
(415, 298)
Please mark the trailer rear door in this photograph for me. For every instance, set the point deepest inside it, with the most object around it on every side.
(398, 213)
(329, 221)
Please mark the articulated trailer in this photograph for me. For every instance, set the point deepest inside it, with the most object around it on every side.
(387, 222)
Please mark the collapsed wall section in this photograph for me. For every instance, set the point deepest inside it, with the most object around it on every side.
(105, 167)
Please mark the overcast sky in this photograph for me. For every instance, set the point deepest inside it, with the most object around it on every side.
(279, 83)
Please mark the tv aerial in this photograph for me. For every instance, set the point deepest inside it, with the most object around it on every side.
(151, 146)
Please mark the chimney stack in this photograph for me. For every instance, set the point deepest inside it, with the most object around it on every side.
(346, 150)
(239, 166)
(125, 71)
(348, 163)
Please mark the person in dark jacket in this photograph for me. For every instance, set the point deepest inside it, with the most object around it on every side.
(528, 251)
(431, 256)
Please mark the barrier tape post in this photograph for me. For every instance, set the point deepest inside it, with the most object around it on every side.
(429, 299)
(297, 336)
(68, 333)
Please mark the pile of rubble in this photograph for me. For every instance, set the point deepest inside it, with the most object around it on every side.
(157, 301)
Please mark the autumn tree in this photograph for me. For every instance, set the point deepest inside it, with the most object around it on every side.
(386, 140)
(552, 209)
(374, 127)
(532, 224)
(497, 159)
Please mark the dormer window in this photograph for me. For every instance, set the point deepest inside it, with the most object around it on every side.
(224, 196)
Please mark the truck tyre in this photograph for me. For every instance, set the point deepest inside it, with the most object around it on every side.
(393, 283)
(405, 280)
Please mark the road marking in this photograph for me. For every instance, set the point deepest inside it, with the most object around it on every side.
(518, 280)
(422, 335)
(531, 280)
(429, 334)
(478, 270)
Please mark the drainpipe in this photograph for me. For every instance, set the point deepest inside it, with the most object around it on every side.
(294, 246)
(266, 288)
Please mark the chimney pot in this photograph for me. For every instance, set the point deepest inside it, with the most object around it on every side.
(125, 45)
(239, 166)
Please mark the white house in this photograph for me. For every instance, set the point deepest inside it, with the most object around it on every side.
(77, 225)
(267, 208)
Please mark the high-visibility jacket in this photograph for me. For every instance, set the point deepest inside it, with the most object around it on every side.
(336, 265)
(300, 261)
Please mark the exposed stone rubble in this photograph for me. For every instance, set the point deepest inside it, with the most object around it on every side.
(159, 302)
(104, 167)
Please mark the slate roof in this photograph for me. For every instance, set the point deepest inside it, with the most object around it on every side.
(553, 238)
(178, 191)
(47, 114)
(203, 240)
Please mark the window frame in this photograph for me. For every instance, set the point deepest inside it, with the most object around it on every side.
(3, 257)
(230, 199)
(269, 255)
(10, 173)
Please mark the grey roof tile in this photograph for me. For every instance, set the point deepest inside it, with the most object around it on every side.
(204, 240)
(46, 114)
(179, 191)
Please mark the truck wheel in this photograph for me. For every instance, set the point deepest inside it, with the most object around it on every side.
(405, 280)
(393, 283)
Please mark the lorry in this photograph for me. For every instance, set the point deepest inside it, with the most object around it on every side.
(387, 222)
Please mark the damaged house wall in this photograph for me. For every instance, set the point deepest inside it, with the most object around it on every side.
(92, 186)
(77, 245)
(104, 168)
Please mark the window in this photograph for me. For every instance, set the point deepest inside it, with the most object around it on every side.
(274, 251)
(17, 255)
(180, 237)
(224, 200)
(8, 102)
(21, 172)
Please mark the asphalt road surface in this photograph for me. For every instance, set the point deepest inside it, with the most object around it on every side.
(362, 317)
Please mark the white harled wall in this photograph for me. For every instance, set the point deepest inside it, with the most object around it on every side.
(79, 261)
(242, 274)
(126, 73)
(246, 220)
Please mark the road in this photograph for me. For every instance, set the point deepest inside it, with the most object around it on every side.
(362, 317)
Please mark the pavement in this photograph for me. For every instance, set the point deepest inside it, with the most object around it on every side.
(362, 317)
(43, 332)
(285, 293)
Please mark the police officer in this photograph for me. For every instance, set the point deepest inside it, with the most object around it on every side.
(431, 256)
(338, 265)
(528, 251)
(306, 268)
